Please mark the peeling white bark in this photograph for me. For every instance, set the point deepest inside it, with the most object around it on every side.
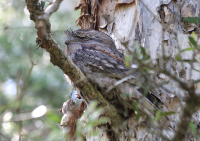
(135, 21)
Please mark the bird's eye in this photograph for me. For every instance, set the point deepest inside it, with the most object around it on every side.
(77, 33)
(80, 35)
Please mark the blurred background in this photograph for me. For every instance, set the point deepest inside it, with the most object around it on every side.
(29, 103)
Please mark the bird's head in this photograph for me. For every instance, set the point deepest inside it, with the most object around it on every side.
(88, 36)
(71, 37)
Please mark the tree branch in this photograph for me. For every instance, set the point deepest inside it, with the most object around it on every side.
(58, 58)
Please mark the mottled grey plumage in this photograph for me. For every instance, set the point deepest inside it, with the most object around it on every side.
(97, 57)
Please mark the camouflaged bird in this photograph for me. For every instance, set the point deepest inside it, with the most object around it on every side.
(96, 55)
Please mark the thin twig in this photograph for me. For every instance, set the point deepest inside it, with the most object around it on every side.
(20, 93)
(194, 53)
(121, 81)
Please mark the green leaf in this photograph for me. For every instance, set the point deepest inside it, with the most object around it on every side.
(167, 113)
(143, 51)
(194, 43)
(138, 116)
(196, 81)
(196, 70)
(42, 4)
(158, 115)
(135, 107)
(188, 61)
(178, 58)
(124, 95)
(127, 60)
(146, 56)
(192, 20)
(135, 104)
(192, 127)
(187, 49)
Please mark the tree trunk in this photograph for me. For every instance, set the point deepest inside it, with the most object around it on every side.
(159, 27)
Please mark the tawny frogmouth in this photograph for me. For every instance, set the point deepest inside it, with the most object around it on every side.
(96, 55)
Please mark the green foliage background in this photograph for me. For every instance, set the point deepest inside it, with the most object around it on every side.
(47, 85)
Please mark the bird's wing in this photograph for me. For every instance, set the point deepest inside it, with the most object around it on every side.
(92, 59)
(104, 60)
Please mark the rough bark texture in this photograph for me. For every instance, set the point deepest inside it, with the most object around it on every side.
(70, 116)
(158, 26)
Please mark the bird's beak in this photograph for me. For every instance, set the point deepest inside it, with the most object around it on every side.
(69, 40)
